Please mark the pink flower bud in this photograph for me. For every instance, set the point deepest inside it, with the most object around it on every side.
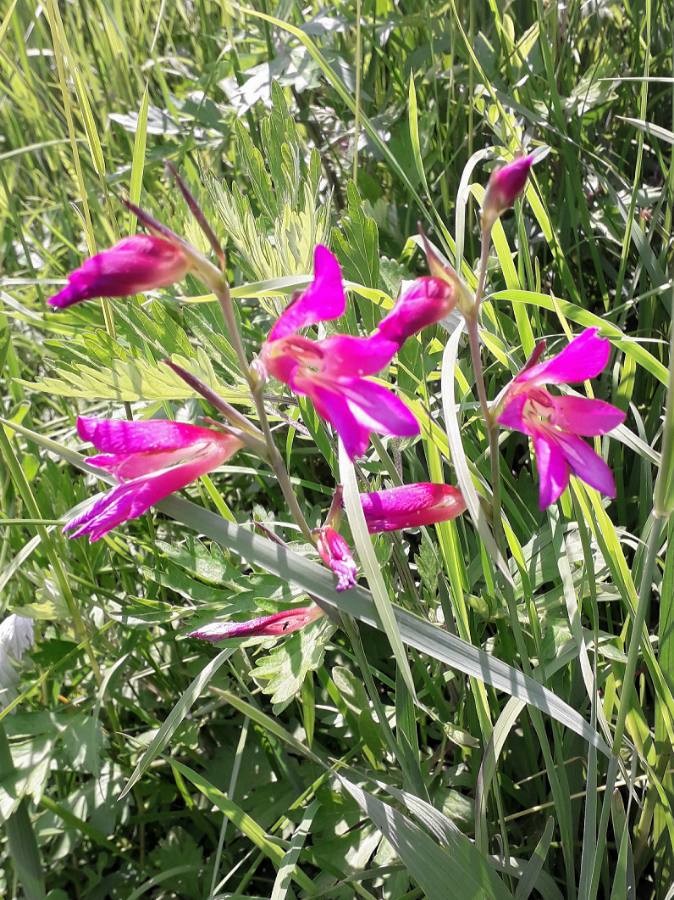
(505, 186)
(275, 625)
(410, 506)
(136, 264)
(426, 301)
(336, 554)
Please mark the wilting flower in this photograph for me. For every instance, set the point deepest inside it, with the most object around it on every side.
(410, 506)
(135, 264)
(331, 371)
(555, 424)
(505, 186)
(275, 625)
(150, 460)
(16, 636)
(336, 554)
(426, 301)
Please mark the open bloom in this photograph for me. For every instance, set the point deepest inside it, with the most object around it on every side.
(426, 301)
(275, 625)
(336, 554)
(150, 460)
(410, 506)
(135, 264)
(555, 424)
(331, 371)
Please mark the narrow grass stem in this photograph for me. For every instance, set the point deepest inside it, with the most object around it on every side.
(652, 546)
(275, 458)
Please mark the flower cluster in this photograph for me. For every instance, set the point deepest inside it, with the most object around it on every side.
(150, 460)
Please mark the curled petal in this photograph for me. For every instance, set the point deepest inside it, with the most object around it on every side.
(586, 464)
(410, 506)
(135, 264)
(336, 554)
(324, 298)
(553, 469)
(581, 415)
(275, 625)
(584, 357)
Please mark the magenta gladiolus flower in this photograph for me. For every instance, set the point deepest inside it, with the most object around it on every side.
(135, 264)
(336, 554)
(410, 506)
(556, 424)
(275, 625)
(150, 460)
(426, 301)
(331, 371)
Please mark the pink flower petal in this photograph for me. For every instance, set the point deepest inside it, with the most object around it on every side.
(135, 264)
(331, 406)
(553, 470)
(344, 355)
(122, 436)
(378, 409)
(581, 415)
(511, 416)
(585, 357)
(324, 298)
(410, 506)
(586, 464)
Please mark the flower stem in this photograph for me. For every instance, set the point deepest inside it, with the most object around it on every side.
(472, 327)
(275, 458)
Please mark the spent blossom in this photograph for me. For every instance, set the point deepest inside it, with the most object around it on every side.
(330, 371)
(275, 625)
(135, 264)
(557, 424)
(151, 460)
(336, 554)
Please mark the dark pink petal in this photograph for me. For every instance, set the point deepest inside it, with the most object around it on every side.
(585, 357)
(122, 436)
(511, 416)
(331, 406)
(378, 409)
(586, 464)
(344, 355)
(410, 506)
(324, 298)
(427, 300)
(336, 554)
(275, 625)
(133, 498)
(553, 470)
(136, 264)
(581, 415)
(127, 466)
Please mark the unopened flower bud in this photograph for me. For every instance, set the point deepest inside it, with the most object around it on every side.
(504, 187)
(426, 301)
(136, 264)
(275, 625)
